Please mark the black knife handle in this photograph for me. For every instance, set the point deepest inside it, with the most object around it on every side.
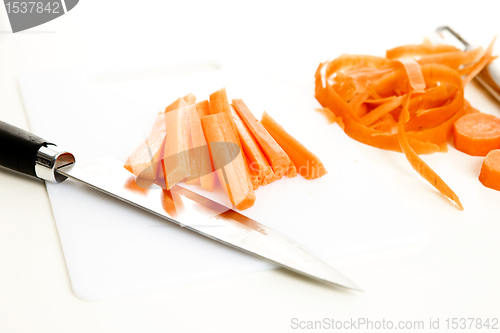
(31, 155)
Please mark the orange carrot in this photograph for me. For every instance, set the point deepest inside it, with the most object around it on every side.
(175, 162)
(423, 169)
(203, 108)
(430, 101)
(292, 170)
(254, 176)
(381, 111)
(490, 170)
(144, 162)
(189, 98)
(232, 176)
(308, 165)
(483, 62)
(177, 104)
(194, 162)
(132, 185)
(452, 59)
(276, 156)
(477, 134)
(256, 158)
(172, 203)
(203, 173)
(414, 73)
(414, 50)
(220, 104)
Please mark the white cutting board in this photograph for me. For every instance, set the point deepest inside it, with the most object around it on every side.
(112, 249)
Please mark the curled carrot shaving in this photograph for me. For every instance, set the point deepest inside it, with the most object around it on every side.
(483, 62)
(406, 102)
(414, 73)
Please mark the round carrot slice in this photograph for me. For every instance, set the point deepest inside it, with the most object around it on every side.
(490, 171)
(477, 134)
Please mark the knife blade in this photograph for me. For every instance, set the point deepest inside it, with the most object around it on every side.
(24, 152)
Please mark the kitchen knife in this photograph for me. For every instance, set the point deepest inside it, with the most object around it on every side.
(29, 154)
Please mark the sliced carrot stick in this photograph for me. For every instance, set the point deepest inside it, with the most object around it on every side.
(477, 134)
(490, 170)
(176, 162)
(272, 177)
(233, 176)
(256, 158)
(203, 173)
(254, 177)
(144, 162)
(308, 165)
(178, 103)
(220, 104)
(276, 156)
(203, 108)
(194, 161)
(189, 98)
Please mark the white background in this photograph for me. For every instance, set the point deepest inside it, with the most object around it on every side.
(454, 274)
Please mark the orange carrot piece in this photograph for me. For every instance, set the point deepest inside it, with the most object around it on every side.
(189, 99)
(380, 101)
(483, 62)
(194, 161)
(203, 108)
(490, 170)
(177, 104)
(176, 162)
(418, 164)
(308, 165)
(477, 134)
(233, 176)
(272, 177)
(329, 115)
(133, 186)
(292, 170)
(203, 173)
(276, 156)
(422, 49)
(172, 203)
(256, 159)
(254, 177)
(414, 74)
(144, 162)
(430, 89)
(452, 59)
(423, 169)
(381, 111)
(220, 104)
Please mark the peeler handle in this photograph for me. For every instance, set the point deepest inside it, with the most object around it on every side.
(489, 78)
(31, 155)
